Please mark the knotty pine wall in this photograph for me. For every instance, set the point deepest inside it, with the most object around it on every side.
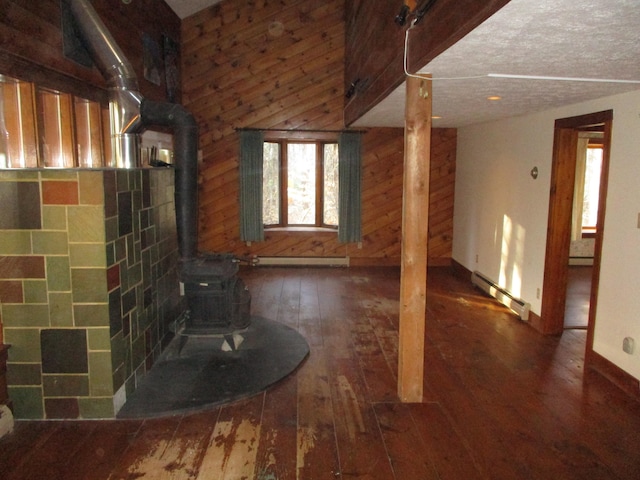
(267, 64)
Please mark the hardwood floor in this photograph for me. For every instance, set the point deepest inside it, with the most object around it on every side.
(501, 401)
(578, 297)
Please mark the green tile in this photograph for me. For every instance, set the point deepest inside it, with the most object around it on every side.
(138, 354)
(91, 187)
(25, 344)
(99, 338)
(110, 254)
(58, 278)
(54, 217)
(119, 377)
(12, 175)
(100, 374)
(65, 385)
(137, 174)
(15, 315)
(119, 346)
(137, 203)
(91, 314)
(35, 291)
(21, 374)
(131, 257)
(15, 242)
(134, 274)
(122, 180)
(143, 320)
(111, 229)
(87, 255)
(96, 407)
(60, 309)
(89, 285)
(86, 223)
(121, 249)
(50, 243)
(55, 174)
(27, 402)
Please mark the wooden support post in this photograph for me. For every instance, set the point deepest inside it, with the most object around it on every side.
(415, 216)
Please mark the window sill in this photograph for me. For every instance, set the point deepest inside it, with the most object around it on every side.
(301, 229)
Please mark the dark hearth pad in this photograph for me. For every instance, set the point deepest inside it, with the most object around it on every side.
(196, 372)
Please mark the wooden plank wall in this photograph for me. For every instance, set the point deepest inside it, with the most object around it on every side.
(375, 43)
(238, 72)
(31, 43)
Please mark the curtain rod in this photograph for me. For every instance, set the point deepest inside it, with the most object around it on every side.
(297, 130)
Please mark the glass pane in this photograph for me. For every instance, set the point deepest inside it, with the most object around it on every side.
(301, 178)
(88, 133)
(330, 213)
(271, 184)
(17, 124)
(591, 187)
(54, 110)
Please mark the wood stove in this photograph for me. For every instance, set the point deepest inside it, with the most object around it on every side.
(218, 300)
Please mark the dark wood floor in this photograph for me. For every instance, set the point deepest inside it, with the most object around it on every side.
(578, 296)
(501, 401)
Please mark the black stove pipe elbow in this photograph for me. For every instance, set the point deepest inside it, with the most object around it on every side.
(185, 155)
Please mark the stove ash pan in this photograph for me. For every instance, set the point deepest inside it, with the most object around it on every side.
(218, 300)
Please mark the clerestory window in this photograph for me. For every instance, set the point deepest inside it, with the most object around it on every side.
(42, 127)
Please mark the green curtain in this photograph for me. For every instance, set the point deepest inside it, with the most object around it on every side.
(251, 157)
(350, 187)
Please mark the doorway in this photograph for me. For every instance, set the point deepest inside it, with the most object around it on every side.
(563, 174)
(586, 197)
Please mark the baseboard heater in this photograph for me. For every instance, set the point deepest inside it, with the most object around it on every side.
(516, 305)
(586, 261)
(304, 261)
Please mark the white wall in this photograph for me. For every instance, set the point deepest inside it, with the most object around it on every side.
(501, 213)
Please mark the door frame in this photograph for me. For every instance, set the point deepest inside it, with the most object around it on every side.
(556, 269)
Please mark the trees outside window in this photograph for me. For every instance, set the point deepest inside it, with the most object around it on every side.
(300, 184)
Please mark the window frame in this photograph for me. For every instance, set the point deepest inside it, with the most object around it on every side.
(319, 140)
(589, 231)
(47, 132)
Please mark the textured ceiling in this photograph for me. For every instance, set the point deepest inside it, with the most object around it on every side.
(559, 38)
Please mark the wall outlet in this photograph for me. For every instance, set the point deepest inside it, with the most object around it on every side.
(538, 293)
(628, 345)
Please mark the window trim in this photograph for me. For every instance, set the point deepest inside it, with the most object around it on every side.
(319, 140)
(589, 231)
(44, 128)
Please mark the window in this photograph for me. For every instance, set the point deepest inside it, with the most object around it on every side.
(300, 184)
(591, 196)
(275, 191)
(18, 147)
(44, 127)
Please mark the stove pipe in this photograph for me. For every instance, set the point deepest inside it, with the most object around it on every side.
(124, 97)
(130, 114)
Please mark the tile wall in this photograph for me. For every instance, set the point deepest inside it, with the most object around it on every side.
(88, 285)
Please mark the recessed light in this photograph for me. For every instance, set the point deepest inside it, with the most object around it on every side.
(436, 117)
(494, 98)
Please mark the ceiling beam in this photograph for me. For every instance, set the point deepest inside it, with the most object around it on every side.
(374, 55)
